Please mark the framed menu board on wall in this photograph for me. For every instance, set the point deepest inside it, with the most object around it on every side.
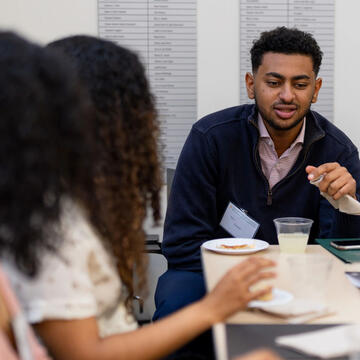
(164, 34)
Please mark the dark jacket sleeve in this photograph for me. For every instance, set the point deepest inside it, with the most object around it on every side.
(191, 214)
(342, 225)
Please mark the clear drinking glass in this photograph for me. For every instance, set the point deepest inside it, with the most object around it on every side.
(309, 275)
(293, 233)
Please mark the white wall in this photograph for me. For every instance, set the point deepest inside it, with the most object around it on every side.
(47, 20)
(218, 55)
(218, 51)
(347, 75)
(218, 39)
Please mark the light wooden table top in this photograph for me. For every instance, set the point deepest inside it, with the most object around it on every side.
(340, 295)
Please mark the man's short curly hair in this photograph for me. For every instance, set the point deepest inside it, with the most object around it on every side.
(43, 127)
(286, 41)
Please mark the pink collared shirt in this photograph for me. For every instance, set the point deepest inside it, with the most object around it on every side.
(276, 168)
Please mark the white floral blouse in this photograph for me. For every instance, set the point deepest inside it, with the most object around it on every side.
(79, 281)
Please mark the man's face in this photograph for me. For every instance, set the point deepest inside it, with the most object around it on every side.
(284, 86)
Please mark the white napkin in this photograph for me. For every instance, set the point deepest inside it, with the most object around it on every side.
(354, 277)
(326, 343)
(345, 204)
(298, 311)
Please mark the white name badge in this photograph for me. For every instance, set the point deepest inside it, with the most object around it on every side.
(237, 223)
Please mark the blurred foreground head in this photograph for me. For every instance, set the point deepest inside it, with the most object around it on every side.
(43, 145)
(127, 178)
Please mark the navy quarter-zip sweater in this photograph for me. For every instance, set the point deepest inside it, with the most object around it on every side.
(220, 163)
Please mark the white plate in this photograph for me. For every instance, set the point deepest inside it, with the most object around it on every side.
(280, 297)
(254, 245)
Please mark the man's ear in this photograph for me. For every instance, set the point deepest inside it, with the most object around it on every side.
(318, 83)
(249, 80)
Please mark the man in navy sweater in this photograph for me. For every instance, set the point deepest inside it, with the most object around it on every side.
(260, 158)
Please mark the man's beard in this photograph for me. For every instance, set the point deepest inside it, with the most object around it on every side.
(275, 126)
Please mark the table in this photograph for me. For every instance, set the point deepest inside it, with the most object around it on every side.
(250, 335)
(341, 295)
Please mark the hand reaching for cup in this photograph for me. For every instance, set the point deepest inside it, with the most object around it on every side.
(233, 291)
(336, 181)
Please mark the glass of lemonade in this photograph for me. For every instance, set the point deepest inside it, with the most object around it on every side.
(293, 233)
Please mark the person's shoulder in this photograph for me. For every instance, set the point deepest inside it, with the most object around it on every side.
(224, 118)
(76, 229)
(333, 133)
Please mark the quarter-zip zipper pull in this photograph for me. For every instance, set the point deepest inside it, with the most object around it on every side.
(269, 197)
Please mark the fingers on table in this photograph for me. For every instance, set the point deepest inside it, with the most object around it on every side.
(251, 271)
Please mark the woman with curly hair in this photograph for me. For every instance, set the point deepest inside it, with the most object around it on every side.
(43, 127)
(78, 304)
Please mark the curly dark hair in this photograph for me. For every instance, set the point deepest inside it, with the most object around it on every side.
(128, 176)
(43, 128)
(286, 41)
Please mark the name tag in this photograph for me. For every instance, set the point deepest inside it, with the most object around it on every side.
(237, 223)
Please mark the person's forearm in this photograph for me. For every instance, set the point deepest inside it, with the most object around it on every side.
(163, 337)
(79, 340)
(160, 338)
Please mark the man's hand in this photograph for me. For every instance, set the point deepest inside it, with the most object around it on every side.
(337, 181)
